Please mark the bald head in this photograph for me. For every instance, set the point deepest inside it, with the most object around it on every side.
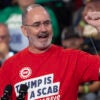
(33, 8)
(37, 28)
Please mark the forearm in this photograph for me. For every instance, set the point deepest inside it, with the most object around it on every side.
(89, 88)
(94, 87)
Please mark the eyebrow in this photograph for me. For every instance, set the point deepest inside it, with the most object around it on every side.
(40, 21)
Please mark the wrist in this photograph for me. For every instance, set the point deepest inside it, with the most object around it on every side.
(86, 89)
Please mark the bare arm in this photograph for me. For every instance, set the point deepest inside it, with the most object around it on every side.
(95, 86)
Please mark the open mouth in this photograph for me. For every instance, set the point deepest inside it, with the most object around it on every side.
(43, 35)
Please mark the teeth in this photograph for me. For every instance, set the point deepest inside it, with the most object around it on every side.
(43, 35)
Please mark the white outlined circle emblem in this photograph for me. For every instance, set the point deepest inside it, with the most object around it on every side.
(25, 72)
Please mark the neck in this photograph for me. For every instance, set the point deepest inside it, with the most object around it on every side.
(38, 51)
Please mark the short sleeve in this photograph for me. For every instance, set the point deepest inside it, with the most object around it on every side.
(88, 67)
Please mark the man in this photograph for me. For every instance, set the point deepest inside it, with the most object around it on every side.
(5, 50)
(49, 71)
(12, 17)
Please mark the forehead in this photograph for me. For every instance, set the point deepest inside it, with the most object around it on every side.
(37, 14)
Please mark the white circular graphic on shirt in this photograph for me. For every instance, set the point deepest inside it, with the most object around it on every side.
(25, 72)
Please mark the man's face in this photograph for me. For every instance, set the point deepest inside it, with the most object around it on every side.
(40, 31)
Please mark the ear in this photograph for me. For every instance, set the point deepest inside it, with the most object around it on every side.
(23, 28)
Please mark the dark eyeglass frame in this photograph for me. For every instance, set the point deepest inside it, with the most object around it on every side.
(38, 24)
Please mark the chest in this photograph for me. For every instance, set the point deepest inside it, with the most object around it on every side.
(45, 77)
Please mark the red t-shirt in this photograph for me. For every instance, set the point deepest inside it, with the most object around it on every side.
(53, 75)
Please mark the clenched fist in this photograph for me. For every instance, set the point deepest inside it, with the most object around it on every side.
(93, 18)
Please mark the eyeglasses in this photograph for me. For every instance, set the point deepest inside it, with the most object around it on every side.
(38, 24)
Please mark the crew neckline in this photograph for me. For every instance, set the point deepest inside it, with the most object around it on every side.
(41, 54)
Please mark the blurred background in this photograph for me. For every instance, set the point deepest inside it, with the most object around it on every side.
(69, 28)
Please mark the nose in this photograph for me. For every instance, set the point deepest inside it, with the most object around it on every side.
(43, 28)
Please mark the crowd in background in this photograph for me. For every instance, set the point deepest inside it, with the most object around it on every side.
(69, 28)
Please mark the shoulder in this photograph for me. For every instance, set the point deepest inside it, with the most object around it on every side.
(69, 51)
(75, 52)
(16, 57)
(11, 63)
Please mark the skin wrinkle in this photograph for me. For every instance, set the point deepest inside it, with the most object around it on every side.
(39, 37)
